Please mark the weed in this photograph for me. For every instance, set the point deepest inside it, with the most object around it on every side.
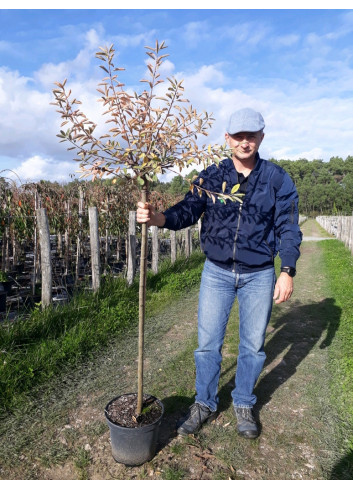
(173, 472)
(178, 448)
(82, 460)
(57, 454)
(96, 429)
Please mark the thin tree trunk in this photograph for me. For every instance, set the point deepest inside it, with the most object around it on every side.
(131, 248)
(118, 245)
(142, 304)
(67, 237)
(44, 238)
(79, 236)
(35, 251)
(155, 249)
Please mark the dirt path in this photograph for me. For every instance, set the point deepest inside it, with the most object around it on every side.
(69, 438)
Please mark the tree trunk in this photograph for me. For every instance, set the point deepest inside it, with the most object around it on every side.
(35, 250)
(142, 304)
(173, 246)
(67, 237)
(131, 248)
(155, 249)
(79, 236)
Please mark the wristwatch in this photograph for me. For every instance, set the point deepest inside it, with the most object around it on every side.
(291, 271)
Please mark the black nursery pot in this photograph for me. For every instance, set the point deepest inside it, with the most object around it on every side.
(134, 446)
(3, 296)
(7, 286)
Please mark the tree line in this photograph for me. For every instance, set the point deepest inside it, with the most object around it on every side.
(323, 187)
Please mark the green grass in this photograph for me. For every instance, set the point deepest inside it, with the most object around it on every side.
(339, 270)
(36, 349)
(173, 472)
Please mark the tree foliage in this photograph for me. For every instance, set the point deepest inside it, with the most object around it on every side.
(147, 133)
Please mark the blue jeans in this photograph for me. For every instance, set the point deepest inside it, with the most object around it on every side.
(218, 291)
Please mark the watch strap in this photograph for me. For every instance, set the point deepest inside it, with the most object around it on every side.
(290, 270)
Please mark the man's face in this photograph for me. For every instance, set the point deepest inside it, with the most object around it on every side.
(244, 144)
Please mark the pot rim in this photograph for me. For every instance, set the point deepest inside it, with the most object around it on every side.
(137, 427)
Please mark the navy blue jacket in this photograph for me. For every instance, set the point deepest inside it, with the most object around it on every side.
(244, 237)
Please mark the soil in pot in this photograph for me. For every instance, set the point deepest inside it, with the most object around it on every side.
(122, 411)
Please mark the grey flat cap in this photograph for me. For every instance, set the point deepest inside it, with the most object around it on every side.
(245, 120)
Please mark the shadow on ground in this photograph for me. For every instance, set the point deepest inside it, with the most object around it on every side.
(296, 333)
(293, 335)
(343, 470)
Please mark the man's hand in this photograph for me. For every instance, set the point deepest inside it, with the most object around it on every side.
(283, 288)
(147, 213)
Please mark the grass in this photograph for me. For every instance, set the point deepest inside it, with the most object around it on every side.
(173, 472)
(170, 376)
(38, 348)
(339, 270)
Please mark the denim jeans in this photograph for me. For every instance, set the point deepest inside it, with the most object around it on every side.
(218, 291)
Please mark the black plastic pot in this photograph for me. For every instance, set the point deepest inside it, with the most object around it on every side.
(3, 296)
(133, 446)
(6, 286)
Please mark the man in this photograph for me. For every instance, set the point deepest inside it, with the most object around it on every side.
(240, 241)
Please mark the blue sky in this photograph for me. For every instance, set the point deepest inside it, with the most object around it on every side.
(294, 66)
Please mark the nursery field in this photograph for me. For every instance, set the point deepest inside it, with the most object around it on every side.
(56, 430)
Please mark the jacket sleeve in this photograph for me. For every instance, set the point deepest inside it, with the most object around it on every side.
(286, 223)
(188, 211)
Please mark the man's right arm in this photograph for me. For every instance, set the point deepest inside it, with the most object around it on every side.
(147, 213)
(181, 215)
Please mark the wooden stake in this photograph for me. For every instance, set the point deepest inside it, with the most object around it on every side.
(95, 248)
(45, 256)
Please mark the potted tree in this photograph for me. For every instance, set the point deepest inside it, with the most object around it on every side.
(148, 133)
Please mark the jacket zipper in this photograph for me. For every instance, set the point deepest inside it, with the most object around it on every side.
(238, 223)
(236, 234)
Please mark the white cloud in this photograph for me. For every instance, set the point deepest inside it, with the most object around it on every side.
(133, 40)
(79, 68)
(286, 41)
(38, 168)
(195, 32)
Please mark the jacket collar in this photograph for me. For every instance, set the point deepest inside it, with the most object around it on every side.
(233, 173)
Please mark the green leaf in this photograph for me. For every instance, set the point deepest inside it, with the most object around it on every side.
(235, 188)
